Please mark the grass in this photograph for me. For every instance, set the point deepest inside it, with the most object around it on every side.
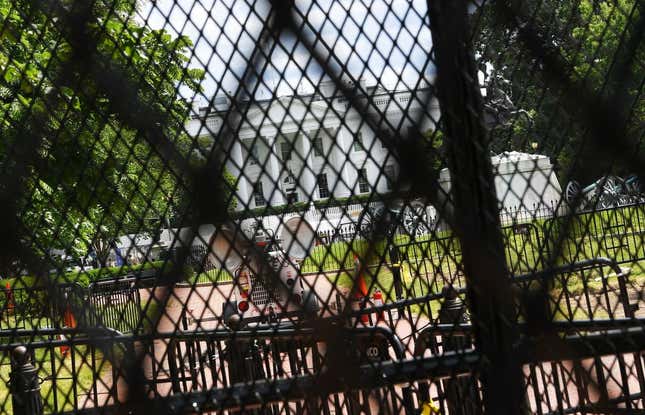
(439, 251)
(213, 276)
(429, 263)
(382, 279)
(418, 281)
(616, 233)
(72, 376)
(340, 255)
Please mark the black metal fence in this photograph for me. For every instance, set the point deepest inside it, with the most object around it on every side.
(113, 304)
(196, 362)
(255, 129)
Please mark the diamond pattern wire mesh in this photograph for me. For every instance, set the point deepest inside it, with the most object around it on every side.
(322, 207)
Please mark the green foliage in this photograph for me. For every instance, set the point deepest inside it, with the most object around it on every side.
(188, 272)
(435, 148)
(212, 276)
(605, 23)
(63, 96)
(591, 37)
(85, 278)
(340, 255)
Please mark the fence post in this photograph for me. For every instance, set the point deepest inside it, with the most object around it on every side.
(461, 395)
(25, 384)
(395, 260)
(475, 216)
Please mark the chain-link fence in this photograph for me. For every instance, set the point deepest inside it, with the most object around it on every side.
(322, 207)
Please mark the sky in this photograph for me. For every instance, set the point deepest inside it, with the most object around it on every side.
(381, 41)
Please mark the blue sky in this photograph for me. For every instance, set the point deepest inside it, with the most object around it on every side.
(385, 41)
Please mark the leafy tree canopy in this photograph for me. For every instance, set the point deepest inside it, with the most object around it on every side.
(89, 102)
(592, 36)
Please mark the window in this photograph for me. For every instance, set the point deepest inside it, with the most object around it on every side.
(292, 197)
(318, 147)
(289, 186)
(389, 176)
(252, 151)
(323, 186)
(358, 142)
(258, 195)
(285, 150)
(363, 185)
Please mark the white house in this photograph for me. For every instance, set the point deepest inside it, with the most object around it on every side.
(525, 184)
(313, 146)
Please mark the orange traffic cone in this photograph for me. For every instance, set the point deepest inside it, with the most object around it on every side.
(360, 291)
(68, 321)
(68, 318)
(10, 303)
(378, 301)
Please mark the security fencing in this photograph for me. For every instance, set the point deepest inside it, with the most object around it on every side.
(340, 176)
(199, 361)
(615, 233)
(114, 304)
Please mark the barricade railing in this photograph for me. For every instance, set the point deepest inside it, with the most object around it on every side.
(282, 367)
(615, 232)
(114, 303)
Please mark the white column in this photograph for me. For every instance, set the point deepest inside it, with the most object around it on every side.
(274, 191)
(341, 159)
(306, 180)
(235, 170)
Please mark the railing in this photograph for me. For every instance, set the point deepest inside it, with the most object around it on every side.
(617, 233)
(198, 361)
(196, 258)
(282, 362)
(114, 303)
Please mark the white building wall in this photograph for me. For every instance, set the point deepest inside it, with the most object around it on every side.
(343, 162)
(523, 182)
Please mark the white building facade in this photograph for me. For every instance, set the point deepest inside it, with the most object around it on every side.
(313, 147)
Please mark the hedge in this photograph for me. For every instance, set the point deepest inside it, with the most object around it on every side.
(85, 278)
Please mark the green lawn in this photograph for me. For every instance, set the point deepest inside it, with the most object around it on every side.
(72, 376)
(616, 233)
(382, 279)
(418, 284)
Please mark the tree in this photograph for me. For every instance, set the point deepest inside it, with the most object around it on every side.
(89, 169)
(590, 36)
